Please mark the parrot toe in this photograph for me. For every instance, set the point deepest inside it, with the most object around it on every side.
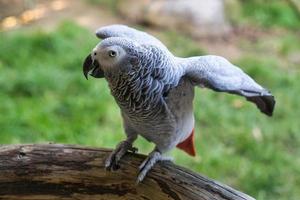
(154, 157)
(112, 162)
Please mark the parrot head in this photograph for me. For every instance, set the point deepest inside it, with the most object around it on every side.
(111, 56)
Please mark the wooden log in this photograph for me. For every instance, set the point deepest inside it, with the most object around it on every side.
(64, 172)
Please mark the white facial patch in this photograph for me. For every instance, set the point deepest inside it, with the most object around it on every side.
(110, 56)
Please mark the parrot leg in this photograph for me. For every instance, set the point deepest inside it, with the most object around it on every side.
(154, 157)
(113, 159)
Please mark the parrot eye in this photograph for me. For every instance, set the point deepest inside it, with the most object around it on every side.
(112, 53)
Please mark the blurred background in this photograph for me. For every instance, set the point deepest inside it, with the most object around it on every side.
(45, 98)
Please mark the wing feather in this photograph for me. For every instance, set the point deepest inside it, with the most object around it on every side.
(220, 75)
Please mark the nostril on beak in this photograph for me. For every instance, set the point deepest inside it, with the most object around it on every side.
(95, 63)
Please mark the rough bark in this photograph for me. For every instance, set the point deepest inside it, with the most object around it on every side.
(53, 171)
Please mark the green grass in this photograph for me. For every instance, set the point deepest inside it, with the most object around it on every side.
(44, 97)
(266, 13)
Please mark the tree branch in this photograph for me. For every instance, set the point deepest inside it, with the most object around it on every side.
(53, 171)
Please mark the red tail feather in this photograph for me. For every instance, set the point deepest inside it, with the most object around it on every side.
(188, 145)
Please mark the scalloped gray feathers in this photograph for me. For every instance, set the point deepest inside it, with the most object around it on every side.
(219, 74)
(160, 71)
(155, 90)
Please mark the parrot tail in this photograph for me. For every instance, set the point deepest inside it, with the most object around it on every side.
(188, 145)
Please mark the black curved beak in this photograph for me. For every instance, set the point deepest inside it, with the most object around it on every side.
(92, 68)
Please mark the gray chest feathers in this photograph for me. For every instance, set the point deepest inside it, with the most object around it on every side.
(140, 92)
(166, 123)
(140, 96)
(152, 97)
(180, 102)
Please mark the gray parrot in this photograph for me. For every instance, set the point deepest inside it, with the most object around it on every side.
(155, 90)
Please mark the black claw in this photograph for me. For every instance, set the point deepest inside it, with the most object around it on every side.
(115, 167)
(107, 168)
(114, 164)
(133, 149)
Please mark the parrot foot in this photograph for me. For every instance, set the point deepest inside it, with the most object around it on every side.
(154, 157)
(112, 162)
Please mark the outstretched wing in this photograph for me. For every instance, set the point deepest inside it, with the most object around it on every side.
(217, 73)
(125, 31)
